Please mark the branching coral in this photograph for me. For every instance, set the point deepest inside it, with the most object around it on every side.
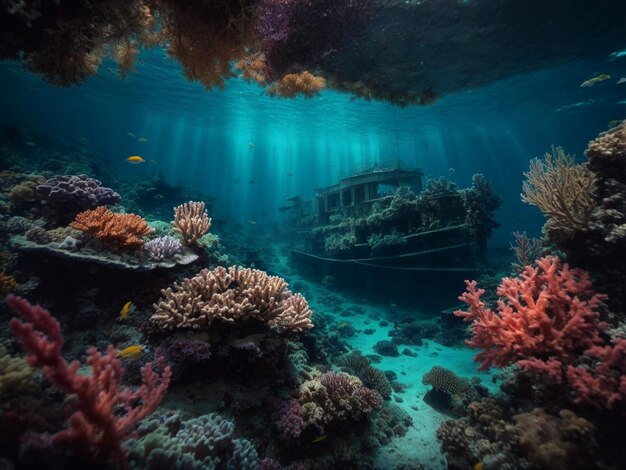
(562, 190)
(191, 221)
(231, 295)
(123, 231)
(106, 413)
(162, 247)
(7, 283)
(549, 310)
(525, 249)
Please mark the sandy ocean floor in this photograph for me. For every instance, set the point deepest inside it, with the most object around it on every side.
(419, 446)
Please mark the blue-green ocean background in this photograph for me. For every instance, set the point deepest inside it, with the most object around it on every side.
(201, 139)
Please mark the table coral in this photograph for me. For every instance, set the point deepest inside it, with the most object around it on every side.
(122, 231)
(231, 295)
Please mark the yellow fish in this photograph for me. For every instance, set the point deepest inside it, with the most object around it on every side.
(130, 134)
(343, 325)
(30, 144)
(135, 160)
(479, 466)
(133, 352)
(127, 309)
(142, 139)
(320, 438)
(594, 80)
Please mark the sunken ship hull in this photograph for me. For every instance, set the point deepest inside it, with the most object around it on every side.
(382, 234)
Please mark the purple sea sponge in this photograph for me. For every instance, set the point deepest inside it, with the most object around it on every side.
(70, 194)
(163, 247)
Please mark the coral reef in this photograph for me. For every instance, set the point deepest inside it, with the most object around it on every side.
(492, 436)
(372, 378)
(96, 429)
(191, 221)
(294, 84)
(231, 295)
(118, 231)
(480, 204)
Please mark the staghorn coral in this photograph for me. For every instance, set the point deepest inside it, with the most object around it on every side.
(562, 190)
(294, 84)
(231, 295)
(191, 221)
(15, 376)
(121, 231)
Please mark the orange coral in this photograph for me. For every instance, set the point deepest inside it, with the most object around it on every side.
(7, 283)
(293, 84)
(116, 230)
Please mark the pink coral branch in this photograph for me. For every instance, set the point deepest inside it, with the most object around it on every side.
(98, 427)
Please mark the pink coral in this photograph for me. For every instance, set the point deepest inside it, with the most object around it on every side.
(290, 422)
(549, 310)
(106, 412)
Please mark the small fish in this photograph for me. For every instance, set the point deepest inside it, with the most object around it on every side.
(30, 144)
(320, 438)
(252, 222)
(130, 134)
(252, 182)
(84, 140)
(289, 173)
(158, 196)
(135, 160)
(594, 80)
(479, 466)
(142, 139)
(451, 170)
(615, 122)
(133, 352)
(250, 146)
(621, 80)
(127, 309)
(343, 325)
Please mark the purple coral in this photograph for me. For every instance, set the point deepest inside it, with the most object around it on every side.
(290, 421)
(162, 248)
(188, 350)
(74, 193)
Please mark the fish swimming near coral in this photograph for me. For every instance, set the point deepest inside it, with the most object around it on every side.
(127, 309)
(594, 80)
(320, 438)
(615, 122)
(133, 352)
(142, 139)
(135, 159)
(343, 325)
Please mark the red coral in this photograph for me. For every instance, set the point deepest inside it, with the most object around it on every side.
(116, 230)
(548, 311)
(106, 411)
